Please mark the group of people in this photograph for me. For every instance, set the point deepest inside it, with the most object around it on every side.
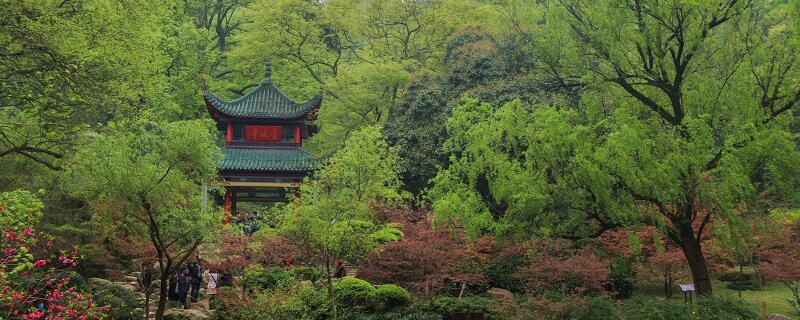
(185, 282)
(249, 222)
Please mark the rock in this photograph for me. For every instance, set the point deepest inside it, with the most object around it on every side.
(500, 294)
(184, 314)
(127, 286)
(136, 274)
(131, 279)
(778, 316)
(97, 282)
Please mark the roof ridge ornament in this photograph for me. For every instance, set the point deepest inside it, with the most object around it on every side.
(268, 70)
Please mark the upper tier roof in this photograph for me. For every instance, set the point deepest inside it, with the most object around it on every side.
(265, 102)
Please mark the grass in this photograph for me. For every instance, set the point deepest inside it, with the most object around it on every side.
(774, 294)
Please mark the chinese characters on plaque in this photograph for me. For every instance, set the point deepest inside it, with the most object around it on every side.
(263, 133)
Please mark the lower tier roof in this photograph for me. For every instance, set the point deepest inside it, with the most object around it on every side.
(267, 159)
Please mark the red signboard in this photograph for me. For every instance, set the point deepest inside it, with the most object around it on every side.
(263, 133)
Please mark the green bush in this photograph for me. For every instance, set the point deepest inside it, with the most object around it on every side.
(598, 308)
(447, 306)
(292, 302)
(307, 273)
(314, 302)
(501, 273)
(733, 276)
(622, 277)
(724, 308)
(255, 276)
(386, 235)
(353, 292)
(276, 279)
(649, 308)
(121, 300)
(391, 296)
(402, 314)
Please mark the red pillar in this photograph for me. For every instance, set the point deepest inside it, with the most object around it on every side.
(297, 135)
(227, 218)
(233, 203)
(229, 133)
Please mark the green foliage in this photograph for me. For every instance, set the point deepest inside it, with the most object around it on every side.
(721, 307)
(292, 302)
(401, 314)
(598, 308)
(170, 160)
(447, 306)
(19, 209)
(794, 299)
(256, 276)
(354, 293)
(622, 276)
(334, 216)
(385, 235)
(649, 308)
(391, 296)
(307, 273)
(359, 54)
(121, 300)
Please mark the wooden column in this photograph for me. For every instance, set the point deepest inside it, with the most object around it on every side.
(229, 134)
(233, 203)
(227, 218)
(297, 135)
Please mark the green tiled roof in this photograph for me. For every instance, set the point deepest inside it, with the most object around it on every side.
(265, 102)
(267, 159)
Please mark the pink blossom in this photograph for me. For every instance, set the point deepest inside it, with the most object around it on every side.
(11, 235)
(28, 232)
(39, 263)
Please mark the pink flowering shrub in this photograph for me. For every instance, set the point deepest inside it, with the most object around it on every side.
(34, 287)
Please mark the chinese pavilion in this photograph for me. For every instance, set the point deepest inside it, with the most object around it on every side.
(263, 157)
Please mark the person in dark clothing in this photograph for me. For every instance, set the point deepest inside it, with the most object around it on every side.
(196, 275)
(173, 286)
(341, 270)
(184, 280)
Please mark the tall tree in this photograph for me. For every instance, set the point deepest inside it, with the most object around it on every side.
(144, 178)
(333, 218)
(670, 133)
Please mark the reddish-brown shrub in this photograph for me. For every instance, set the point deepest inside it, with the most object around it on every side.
(560, 267)
(426, 259)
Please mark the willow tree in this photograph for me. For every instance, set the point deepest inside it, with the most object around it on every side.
(684, 118)
(334, 217)
(144, 179)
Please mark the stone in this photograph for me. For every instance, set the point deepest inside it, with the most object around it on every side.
(500, 294)
(127, 286)
(131, 279)
(778, 316)
(185, 314)
(97, 282)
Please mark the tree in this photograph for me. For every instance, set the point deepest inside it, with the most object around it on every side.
(780, 262)
(449, 257)
(333, 217)
(475, 64)
(670, 134)
(36, 286)
(144, 178)
(63, 68)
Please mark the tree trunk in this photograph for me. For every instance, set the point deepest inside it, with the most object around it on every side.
(691, 248)
(163, 294)
(147, 305)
